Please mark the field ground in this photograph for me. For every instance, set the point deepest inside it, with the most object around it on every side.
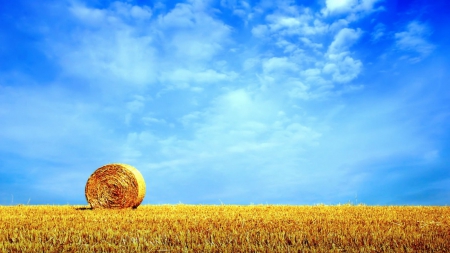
(225, 228)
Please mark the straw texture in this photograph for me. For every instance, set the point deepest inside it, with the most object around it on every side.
(115, 186)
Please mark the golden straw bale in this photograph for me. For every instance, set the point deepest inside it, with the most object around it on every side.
(115, 186)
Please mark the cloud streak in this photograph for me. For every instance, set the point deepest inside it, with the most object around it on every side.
(414, 40)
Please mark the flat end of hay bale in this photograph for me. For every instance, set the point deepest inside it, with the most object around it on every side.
(115, 186)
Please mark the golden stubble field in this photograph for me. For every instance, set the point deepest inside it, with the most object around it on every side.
(225, 228)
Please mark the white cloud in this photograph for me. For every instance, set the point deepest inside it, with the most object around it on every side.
(141, 12)
(378, 32)
(311, 44)
(137, 104)
(343, 68)
(125, 49)
(182, 16)
(308, 70)
(349, 6)
(299, 90)
(280, 22)
(239, 8)
(238, 121)
(340, 5)
(89, 15)
(117, 54)
(190, 118)
(241, 13)
(311, 72)
(192, 35)
(344, 39)
(297, 23)
(368, 5)
(186, 76)
(115, 14)
(287, 46)
(339, 24)
(277, 64)
(251, 63)
(339, 64)
(415, 40)
(115, 50)
(151, 120)
(260, 31)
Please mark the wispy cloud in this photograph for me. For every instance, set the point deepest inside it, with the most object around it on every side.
(349, 6)
(379, 32)
(414, 40)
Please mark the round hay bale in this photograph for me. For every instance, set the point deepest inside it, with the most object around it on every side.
(115, 186)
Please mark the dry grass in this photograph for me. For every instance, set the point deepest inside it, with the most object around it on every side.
(225, 228)
(115, 186)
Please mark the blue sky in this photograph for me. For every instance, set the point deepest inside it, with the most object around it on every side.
(231, 101)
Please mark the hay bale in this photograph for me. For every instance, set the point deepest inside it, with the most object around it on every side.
(115, 186)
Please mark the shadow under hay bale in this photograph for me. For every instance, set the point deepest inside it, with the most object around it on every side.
(83, 208)
(115, 186)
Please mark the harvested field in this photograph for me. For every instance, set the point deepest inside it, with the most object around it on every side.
(225, 228)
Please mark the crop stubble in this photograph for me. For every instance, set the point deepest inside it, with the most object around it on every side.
(225, 228)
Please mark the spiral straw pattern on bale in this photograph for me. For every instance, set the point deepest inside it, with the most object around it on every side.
(115, 186)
